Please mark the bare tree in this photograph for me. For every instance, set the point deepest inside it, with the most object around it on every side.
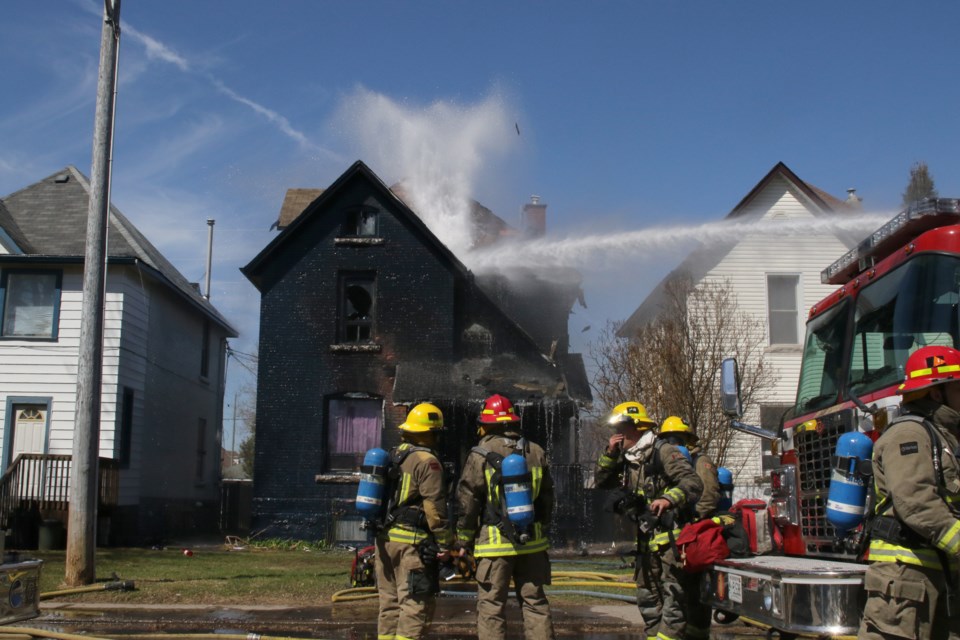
(672, 364)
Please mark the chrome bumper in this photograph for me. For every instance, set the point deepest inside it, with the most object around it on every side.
(797, 595)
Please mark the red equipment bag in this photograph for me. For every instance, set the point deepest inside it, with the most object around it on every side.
(701, 544)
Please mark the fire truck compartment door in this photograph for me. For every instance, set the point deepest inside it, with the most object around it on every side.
(796, 595)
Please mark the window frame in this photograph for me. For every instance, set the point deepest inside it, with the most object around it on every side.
(795, 311)
(351, 227)
(55, 320)
(328, 427)
(124, 430)
(344, 281)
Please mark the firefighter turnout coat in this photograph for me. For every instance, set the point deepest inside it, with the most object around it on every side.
(706, 506)
(909, 490)
(479, 499)
(416, 529)
(915, 530)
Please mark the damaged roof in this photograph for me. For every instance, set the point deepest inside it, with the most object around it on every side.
(477, 378)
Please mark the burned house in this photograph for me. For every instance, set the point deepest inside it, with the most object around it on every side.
(364, 313)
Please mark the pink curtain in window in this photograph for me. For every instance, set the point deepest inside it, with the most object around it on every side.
(354, 425)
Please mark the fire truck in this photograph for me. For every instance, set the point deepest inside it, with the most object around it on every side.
(899, 290)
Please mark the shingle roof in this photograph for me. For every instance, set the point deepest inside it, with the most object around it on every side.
(10, 235)
(50, 216)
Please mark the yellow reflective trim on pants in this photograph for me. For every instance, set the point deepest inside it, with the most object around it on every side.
(887, 552)
(385, 637)
(663, 636)
(950, 541)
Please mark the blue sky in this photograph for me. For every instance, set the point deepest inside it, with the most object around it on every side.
(631, 115)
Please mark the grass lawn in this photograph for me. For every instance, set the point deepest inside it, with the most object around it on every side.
(296, 577)
(299, 576)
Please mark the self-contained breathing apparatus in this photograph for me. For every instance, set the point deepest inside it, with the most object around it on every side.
(512, 509)
(376, 501)
(379, 478)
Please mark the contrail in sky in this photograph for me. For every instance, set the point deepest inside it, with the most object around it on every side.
(157, 50)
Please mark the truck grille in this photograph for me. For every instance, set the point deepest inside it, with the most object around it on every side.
(814, 449)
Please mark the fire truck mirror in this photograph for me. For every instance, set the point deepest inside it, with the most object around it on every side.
(730, 388)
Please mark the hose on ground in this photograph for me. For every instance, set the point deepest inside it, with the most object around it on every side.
(115, 585)
(560, 578)
(45, 633)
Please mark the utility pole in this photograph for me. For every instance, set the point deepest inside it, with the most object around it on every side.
(210, 223)
(233, 431)
(84, 476)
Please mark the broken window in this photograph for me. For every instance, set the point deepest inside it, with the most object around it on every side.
(353, 427)
(360, 221)
(357, 304)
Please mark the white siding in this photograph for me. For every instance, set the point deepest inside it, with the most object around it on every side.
(746, 268)
(49, 369)
(152, 344)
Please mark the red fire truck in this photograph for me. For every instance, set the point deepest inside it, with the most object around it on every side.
(899, 291)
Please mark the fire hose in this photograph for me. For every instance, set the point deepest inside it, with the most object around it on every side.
(559, 578)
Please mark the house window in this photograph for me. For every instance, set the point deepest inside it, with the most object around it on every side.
(201, 449)
(205, 351)
(353, 427)
(357, 307)
(30, 301)
(125, 428)
(360, 221)
(782, 309)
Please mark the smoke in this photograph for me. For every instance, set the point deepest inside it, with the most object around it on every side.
(609, 250)
(438, 151)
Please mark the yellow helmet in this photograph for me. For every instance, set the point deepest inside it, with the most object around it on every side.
(423, 418)
(673, 424)
(630, 412)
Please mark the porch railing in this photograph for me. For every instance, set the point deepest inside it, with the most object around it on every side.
(42, 481)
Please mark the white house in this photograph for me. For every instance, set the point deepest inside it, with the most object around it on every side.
(776, 278)
(163, 373)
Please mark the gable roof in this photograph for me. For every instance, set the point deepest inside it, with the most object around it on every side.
(698, 262)
(255, 268)
(357, 170)
(50, 218)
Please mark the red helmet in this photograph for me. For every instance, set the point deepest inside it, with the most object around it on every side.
(497, 409)
(929, 366)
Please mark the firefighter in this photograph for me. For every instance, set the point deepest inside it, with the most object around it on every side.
(911, 582)
(415, 536)
(653, 482)
(485, 528)
(677, 432)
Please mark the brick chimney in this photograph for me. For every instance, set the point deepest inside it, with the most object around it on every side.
(533, 217)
